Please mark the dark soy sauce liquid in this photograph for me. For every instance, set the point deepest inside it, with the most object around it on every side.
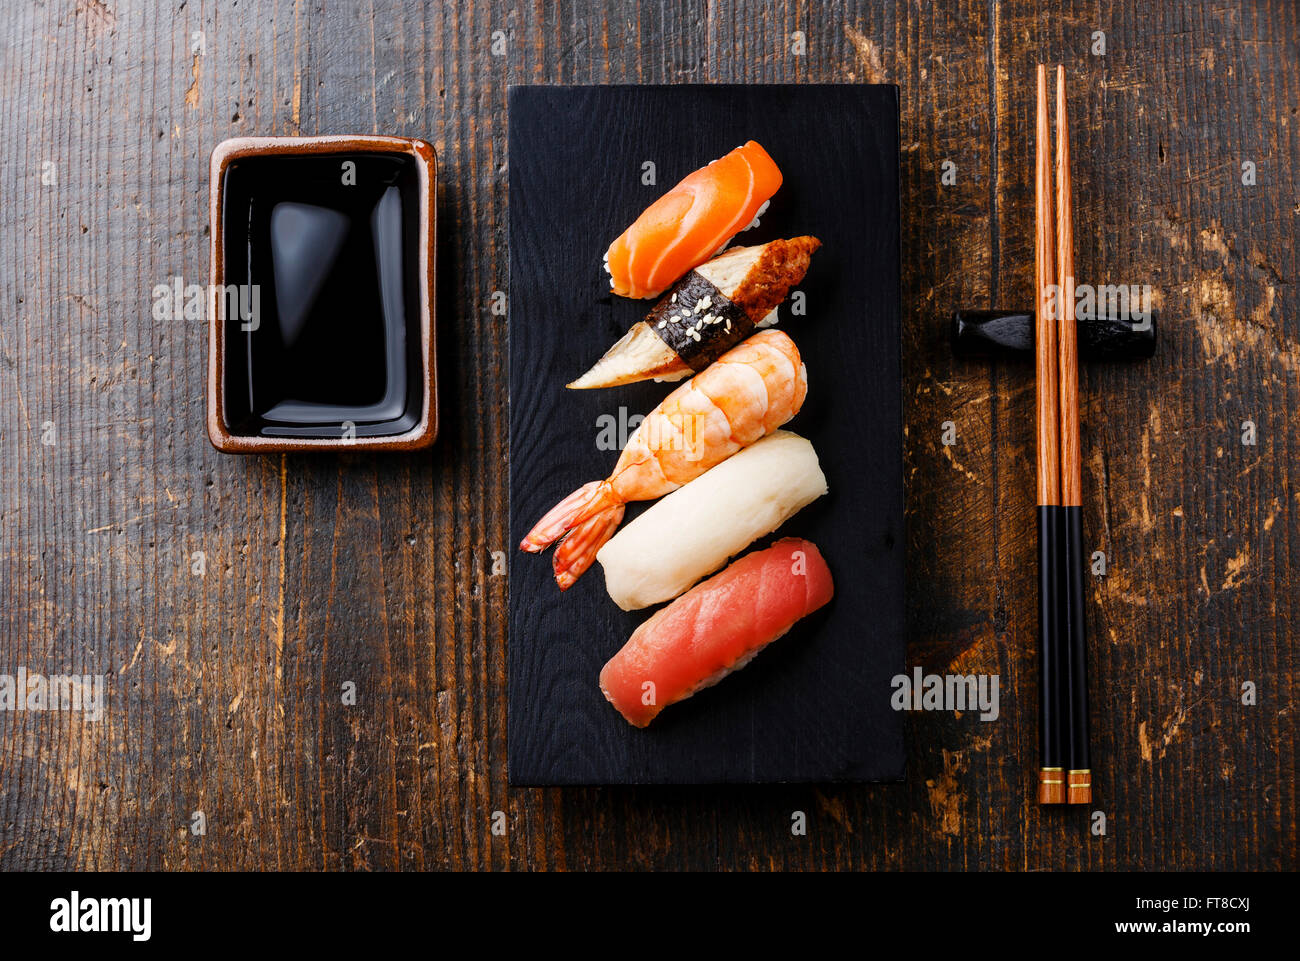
(334, 339)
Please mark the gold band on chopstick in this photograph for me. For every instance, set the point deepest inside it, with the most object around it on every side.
(1079, 788)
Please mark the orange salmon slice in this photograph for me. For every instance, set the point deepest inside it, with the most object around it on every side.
(692, 222)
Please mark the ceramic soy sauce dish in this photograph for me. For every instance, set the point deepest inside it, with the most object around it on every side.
(321, 316)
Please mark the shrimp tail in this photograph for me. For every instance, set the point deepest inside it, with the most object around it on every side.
(582, 523)
(574, 554)
(559, 519)
(599, 502)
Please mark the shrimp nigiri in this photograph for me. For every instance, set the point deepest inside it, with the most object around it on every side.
(745, 394)
(692, 222)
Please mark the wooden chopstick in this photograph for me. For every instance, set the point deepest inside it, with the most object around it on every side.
(1074, 664)
(1045, 357)
(1051, 766)
(1067, 340)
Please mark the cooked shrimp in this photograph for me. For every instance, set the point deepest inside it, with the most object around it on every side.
(748, 392)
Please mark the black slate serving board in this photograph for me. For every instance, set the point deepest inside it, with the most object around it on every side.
(815, 706)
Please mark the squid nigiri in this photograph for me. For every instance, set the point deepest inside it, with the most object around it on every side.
(693, 531)
(710, 310)
(716, 628)
(748, 392)
(692, 222)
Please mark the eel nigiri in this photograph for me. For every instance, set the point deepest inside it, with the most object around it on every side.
(692, 222)
(693, 531)
(715, 628)
(746, 393)
(707, 312)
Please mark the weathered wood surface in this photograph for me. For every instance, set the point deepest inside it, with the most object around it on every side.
(224, 690)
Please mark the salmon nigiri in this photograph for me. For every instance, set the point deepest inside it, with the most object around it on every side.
(692, 222)
(715, 628)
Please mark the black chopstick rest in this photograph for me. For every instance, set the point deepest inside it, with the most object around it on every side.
(983, 333)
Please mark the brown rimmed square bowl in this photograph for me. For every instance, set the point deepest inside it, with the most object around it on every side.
(321, 313)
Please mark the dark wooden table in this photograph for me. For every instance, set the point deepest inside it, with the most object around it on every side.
(229, 601)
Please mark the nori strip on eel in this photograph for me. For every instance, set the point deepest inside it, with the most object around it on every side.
(698, 323)
(706, 313)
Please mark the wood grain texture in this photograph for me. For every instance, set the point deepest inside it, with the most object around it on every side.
(224, 691)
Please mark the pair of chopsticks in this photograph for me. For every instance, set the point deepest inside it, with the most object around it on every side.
(1064, 775)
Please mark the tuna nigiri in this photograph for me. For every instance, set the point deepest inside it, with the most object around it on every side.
(748, 392)
(715, 628)
(692, 222)
(693, 531)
